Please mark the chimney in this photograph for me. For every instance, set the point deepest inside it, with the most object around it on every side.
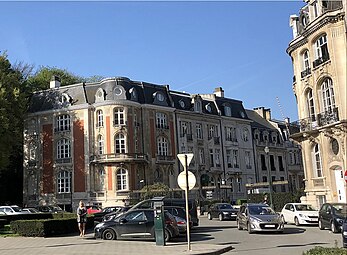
(219, 92)
(55, 82)
(264, 113)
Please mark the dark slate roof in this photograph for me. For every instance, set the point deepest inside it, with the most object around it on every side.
(237, 110)
(177, 97)
(258, 121)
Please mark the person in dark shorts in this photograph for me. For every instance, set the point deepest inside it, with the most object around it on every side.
(82, 218)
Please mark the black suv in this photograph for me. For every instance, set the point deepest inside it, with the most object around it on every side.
(222, 211)
(332, 216)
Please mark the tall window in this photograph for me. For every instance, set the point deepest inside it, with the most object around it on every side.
(235, 158)
(162, 146)
(119, 116)
(263, 162)
(239, 184)
(272, 163)
(231, 134)
(229, 158)
(120, 143)
(318, 162)
(211, 157)
(212, 131)
(280, 163)
(122, 179)
(305, 61)
(161, 120)
(100, 144)
(63, 149)
(322, 48)
(201, 156)
(63, 122)
(328, 95)
(100, 118)
(217, 157)
(198, 131)
(64, 182)
(245, 135)
(310, 104)
(101, 179)
(248, 159)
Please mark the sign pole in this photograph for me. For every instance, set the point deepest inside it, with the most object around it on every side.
(187, 207)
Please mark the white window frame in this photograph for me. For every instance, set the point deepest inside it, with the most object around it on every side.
(64, 182)
(161, 120)
(100, 118)
(122, 179)
(317, 161)
(199, 131)
(248, 160)
(100, 144)
(310, 104)
(201, 156)
(63, 122)
(235, 158)
(119, 116)
(162, 146)
(328, 95)
(305, 60)
(321, 41)
(120, 143)
(63, 148)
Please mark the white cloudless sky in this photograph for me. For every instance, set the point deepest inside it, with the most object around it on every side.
(191, 46)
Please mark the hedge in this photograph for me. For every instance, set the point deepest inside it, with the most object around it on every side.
(326, 251)
(48, 227)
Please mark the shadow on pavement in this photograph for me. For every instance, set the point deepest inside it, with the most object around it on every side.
(211, 229)
(298, 245)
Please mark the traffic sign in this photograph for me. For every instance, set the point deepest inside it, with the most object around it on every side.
(182, 158)
(181, 180)
(345, 177)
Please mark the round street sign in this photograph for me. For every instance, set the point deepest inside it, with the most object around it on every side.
(181, 180)
(345, 177)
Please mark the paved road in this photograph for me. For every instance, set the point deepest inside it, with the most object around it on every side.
(294, 240)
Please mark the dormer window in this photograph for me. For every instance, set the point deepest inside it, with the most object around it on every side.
(182, 104)
(133, 94)
(208, 107)
(197, 106)
(117, 91)
(65, 99)
(160, 97)
(227, 110)
(100, 95)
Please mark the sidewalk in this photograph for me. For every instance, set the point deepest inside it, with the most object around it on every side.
(89, 245)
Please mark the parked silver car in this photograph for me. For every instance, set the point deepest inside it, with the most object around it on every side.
(11, 210)
(259, 217)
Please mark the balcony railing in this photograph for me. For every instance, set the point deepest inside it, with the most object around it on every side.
(312, 123)
(328, 117)
(321, 60)
(306, 72)
(63, 160)
(165, 159)
(119, 157)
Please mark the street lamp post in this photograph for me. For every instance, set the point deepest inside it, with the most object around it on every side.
(267, 150)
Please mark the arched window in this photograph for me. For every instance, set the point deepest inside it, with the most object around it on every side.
(64, 182)
(119, 116)
(310, 105)
(321, 48)
(162, 146)
(120, 143)
(318, 162)
(100, 118)
(63, 148)
(100, 144)
(305, 60)
(328, 95)
(122, 179)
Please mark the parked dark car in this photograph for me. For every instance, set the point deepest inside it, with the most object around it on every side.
(49, 209)
(332, 216)
(344, 234)
(112, 215)
(137, 223)
(222, 211)
(259, 217)
(180, 215)
(109, 209)
(192, 205)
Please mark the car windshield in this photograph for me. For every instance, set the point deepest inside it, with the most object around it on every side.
(261, 210)
(16, 209)
(304, 208)
(225, 206)
(340, 210)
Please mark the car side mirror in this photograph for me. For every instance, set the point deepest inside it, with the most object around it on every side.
(123, 220)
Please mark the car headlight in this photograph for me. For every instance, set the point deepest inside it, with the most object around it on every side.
(255, 220)
(99, 225)
(302, 215)
(225, 212)
(340, 221)
(344, 233)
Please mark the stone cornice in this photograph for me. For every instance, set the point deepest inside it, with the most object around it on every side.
(331, 17)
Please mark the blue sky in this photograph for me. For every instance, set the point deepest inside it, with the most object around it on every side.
(192, 46)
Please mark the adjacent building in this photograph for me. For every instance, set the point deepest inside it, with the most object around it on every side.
(318, 52)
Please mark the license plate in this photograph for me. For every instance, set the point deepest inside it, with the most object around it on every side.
(270, 226)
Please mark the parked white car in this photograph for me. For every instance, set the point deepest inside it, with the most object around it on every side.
(11, 210)
(299, 213)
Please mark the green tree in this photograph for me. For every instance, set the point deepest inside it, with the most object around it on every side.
(12, 107)
(155, 190)
(41, 78)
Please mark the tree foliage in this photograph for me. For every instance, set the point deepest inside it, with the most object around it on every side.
(155, 190)
(41, 78)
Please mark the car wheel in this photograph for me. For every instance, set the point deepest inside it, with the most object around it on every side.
(334, 229)
(282, 217)
(220, 216)
(209, 216)
(296, 221)
(320, 224)
(109, 234)
(167, 235)
(239, 225)
(249, 229)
